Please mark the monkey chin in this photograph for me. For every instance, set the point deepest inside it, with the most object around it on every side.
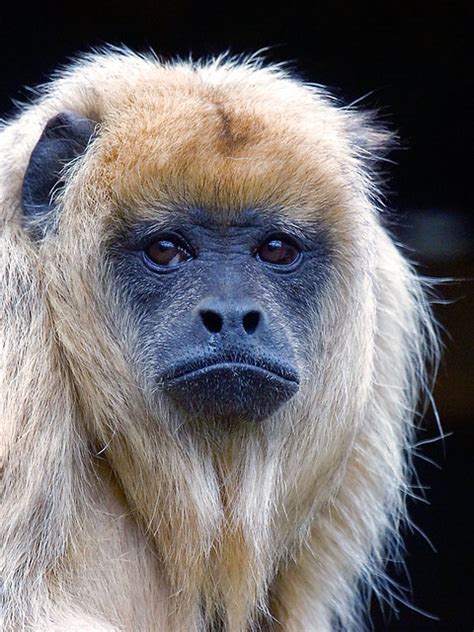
(231, 391)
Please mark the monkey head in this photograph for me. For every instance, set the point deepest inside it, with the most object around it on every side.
(222, 281)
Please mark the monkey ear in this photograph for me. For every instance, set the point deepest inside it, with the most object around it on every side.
(64, 138)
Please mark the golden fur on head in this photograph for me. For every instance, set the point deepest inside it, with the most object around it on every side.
(114, 515)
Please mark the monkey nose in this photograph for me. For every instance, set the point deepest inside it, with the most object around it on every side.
(230, 316)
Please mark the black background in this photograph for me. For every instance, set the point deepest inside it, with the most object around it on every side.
(411, 61)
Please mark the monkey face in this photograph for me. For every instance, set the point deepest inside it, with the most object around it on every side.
(220, 308)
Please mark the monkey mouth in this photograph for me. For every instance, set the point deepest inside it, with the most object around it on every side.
(202, 366)
(246, 388)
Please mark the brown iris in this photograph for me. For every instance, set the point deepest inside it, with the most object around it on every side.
(278, 251)
(165, 252)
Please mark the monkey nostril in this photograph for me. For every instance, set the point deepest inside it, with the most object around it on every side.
(212, 320)
(250, 321)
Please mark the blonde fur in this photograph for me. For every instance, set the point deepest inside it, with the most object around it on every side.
(117, 517)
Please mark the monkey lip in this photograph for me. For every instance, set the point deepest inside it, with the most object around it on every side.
(206, 366)
(247, 388)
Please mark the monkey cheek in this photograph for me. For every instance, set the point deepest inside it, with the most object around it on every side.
(231, 393)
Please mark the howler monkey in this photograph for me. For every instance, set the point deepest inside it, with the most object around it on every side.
(211, 353)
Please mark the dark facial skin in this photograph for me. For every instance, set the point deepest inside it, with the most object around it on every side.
(224, 311)
(220, 307)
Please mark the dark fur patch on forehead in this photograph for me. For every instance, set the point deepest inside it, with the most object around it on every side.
(236, 130)
(229, 137)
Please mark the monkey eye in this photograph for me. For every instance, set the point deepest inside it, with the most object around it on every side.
(167, 253)
(278, 251)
